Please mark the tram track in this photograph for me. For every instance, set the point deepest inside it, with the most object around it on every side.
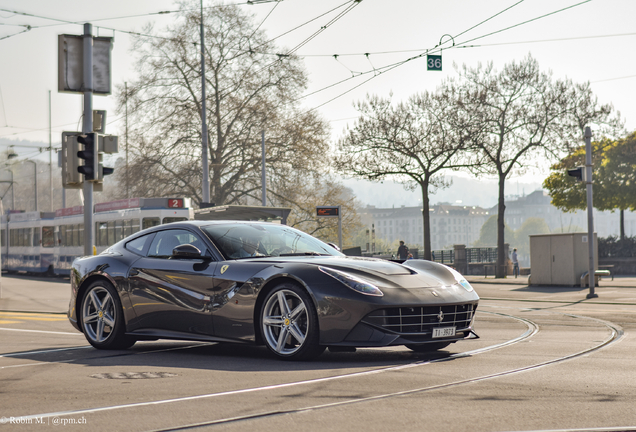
(532, 328)
(616, 333)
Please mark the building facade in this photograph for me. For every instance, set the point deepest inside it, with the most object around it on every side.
(449, 224)
(538, 205)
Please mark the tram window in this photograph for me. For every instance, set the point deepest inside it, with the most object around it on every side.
(127, 228)
(48, 236)
(28, 236)
(119, 230)
(61, 239)
(111, 233)
(12, 235)
(36, 236)
(135, 226)
(173, 219)
(3, 237)
(150, 222)
(101, 234)
(80, 235)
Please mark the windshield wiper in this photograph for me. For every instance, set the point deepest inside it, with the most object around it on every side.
(255, 256)
(303, 254)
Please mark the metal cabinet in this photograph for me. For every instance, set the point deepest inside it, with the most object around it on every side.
(560, 259)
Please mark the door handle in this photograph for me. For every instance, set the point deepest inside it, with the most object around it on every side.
(133, 272)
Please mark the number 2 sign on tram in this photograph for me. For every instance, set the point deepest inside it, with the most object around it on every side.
(434, 62)
(175, 203)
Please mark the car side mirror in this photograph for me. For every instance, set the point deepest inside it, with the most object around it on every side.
(186, 251)
(333, 245)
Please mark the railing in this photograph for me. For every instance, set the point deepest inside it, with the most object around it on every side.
(443, 256)
(473, 255)
(481, 255)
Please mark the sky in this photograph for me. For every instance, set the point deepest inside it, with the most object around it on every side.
(590, 40)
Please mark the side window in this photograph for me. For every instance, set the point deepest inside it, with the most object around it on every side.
(150, 222)
(137, 245)
(48, 236)
(173, 219)
(165, 241)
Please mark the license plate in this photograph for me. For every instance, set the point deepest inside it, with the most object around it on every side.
(439, 332)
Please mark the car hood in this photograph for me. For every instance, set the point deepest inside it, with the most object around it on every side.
(368, 265)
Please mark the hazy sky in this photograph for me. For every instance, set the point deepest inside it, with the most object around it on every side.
(591, 41)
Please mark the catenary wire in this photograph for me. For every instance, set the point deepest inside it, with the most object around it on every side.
(378, 71)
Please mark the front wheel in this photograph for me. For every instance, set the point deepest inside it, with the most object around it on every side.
(103, 317)
(290, 323)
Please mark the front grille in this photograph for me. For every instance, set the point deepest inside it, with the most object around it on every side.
(422, 319)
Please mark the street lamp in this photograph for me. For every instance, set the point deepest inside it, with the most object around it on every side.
(35, 185)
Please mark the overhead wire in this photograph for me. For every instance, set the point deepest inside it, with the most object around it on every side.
(378, 71)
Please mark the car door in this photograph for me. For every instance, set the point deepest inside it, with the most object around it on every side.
(169, 294)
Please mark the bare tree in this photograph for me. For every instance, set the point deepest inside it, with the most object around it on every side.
(303, 191)
(526, 116)
(412, 141)
(248, 89)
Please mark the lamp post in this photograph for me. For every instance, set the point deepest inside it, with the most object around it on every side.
(35, 185)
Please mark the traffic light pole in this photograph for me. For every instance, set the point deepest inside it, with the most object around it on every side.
(590, 215)
(87, 127)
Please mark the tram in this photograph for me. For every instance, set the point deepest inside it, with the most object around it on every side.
(43, 242)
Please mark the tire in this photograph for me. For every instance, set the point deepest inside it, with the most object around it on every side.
(103, 318)
(428, 347)
(292, 334)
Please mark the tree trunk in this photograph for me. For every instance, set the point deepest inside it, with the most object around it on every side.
(500, 271)
(622, 223)
(427, 221)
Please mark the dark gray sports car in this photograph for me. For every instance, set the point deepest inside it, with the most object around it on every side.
(252, 282)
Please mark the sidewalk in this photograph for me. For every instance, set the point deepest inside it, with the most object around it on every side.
(620, 291)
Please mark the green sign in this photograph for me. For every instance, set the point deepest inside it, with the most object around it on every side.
(434, 62)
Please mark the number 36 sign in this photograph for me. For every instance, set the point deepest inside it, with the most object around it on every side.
(434, 62)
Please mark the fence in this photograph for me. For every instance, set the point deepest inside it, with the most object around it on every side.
(473, 255)
(443, 256)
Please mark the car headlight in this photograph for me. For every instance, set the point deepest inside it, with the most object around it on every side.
(461, 280)
(353, 282)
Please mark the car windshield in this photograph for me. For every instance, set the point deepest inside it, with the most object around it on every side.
(245, 240)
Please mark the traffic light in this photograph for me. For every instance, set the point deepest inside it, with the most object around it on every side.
(578, 173)
(90, 168)
(71, 178)
(106, 144)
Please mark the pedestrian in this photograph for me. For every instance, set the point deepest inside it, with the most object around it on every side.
(403, 251)
(515, 263)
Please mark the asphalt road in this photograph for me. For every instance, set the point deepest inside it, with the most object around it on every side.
(547, 359)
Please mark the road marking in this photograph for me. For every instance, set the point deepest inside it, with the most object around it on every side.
(42, 331)
(532, 329)
(23, 353)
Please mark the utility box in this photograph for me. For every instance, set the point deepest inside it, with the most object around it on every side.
(560, 259)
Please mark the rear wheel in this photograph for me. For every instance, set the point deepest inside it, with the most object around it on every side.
(289, 323)
(103, 317)
(429, 347)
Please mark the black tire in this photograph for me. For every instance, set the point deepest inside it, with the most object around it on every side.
(428, 347)
(289, 323)
(103, 318)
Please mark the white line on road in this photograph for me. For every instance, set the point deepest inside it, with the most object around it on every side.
(531, 331)
(42, 331)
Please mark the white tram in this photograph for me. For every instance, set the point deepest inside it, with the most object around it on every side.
(49, 242)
